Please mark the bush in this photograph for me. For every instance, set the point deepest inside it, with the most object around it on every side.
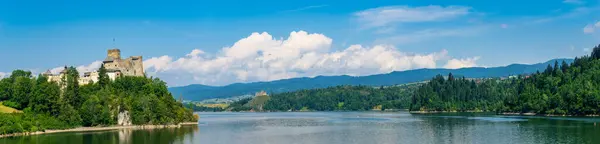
(10, 104)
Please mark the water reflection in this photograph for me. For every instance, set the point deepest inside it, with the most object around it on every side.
(126, 136)
(347, 128)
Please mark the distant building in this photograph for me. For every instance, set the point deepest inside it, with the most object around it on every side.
(115, 67)
(261, 93)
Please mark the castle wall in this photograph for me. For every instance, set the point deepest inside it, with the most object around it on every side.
(114, 53)
(132, 66)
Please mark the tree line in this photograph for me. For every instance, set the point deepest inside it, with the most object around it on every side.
(53, 105)
(561, 89)
(342, 98)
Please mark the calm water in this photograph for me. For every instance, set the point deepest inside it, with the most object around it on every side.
(346, 128)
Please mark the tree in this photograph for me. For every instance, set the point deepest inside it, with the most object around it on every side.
(93, 112)
(21, 89)
(596, 52)
(103, 79)
(556, 67)
(5, 89)
(48, 105)
(564, 66)
(548, 70)
(71, 92)
(19, 73)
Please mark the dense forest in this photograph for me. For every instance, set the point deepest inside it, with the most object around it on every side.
(561, 89)
(50, 105)
(342, 98)
(203, 108)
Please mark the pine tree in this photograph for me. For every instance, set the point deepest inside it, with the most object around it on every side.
(556, 68)
(596, 52)
(564, 66)
(548, 70)
(103, 79)
(71, 94)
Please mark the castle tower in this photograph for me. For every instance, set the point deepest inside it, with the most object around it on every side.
(114, 53)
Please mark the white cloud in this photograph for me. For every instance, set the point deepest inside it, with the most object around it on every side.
(383, 16)
(588, 29)
(260, 57)
(586, 50)
(573, 13)
(89, 68)
(591, 28)
(306, 8)
(573, 2)
(426, 34)
(461, 63)
(503, 26)
(2, 75)
(81, 69)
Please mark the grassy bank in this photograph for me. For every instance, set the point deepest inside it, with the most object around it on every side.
(5, 109)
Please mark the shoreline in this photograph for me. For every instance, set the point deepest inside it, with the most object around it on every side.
(502, 113)
(88, 129)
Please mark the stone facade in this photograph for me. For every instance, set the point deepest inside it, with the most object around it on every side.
(115, 67)
(132, 66)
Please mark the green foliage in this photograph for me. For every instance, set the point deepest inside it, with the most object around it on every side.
(342, 98)
(71, 93)
(561, 90)
(203, 108)
(94, 113)
(28, 122)
(45, 97)
(48, 105)
(240, 105)
(460, 94)
(103, 79)
(5, 89)
(10, 104)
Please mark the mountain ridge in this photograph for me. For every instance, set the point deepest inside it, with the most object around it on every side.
(197, 92)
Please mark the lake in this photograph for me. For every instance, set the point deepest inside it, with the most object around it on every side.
(347, 128)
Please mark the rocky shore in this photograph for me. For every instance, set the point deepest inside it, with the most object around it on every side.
(86, 129)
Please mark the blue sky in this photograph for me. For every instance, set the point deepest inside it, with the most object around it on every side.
(188, 42)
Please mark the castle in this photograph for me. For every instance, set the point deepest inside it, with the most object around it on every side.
(115, 67)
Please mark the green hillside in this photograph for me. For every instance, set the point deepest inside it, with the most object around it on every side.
(561, 89)
(258, 102)
(202, 92)
(5, 109)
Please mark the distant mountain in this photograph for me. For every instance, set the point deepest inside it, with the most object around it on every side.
(197, 92)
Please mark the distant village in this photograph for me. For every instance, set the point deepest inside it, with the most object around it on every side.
(115, 67)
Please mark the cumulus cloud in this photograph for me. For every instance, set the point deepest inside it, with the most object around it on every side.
(588, 29)
(461, 63)
(2, 75)
(81, 69)
(260, 57)
(591, 28)
(383, 16)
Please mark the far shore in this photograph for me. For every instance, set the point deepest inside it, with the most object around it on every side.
(87, 129)
(502, 113)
